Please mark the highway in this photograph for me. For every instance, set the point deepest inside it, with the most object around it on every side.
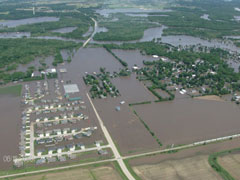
(90, 38)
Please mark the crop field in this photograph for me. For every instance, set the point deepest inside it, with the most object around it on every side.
(98, 173)
(231, 163)
(196, 168)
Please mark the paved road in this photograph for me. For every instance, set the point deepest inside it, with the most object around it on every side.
(90, 38)
(55, 169)
(126, 157)
(111, 143)
(63, 153)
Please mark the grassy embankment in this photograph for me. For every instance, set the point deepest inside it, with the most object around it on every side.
(213, 161)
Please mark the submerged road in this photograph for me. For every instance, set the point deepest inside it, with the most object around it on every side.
(111, 143)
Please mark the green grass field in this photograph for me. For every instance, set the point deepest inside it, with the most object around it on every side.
(12, 90)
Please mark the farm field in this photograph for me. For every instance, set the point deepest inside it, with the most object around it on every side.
(94, 173)
(231, 163)
(196, 168)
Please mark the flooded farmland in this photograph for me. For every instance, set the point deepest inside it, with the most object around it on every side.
(133, 57)
(192, 120)
(152, 33)
(36, 63)
(107, 12)
(184, 40)
(91, 59)
(15, 23)
(15, 34)
(132, 90)
(65, 30)
(129, 133)
(188, 120)
(10, 129)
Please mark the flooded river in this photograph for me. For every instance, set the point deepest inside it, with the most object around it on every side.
(15, 23)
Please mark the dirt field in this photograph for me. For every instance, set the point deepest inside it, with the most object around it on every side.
(99, 173)
(196, 168)
(231, 163)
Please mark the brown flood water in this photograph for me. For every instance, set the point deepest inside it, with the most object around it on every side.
(127, 131)
(133, 57)
(187, 120)
(10, 128)
(132, 90)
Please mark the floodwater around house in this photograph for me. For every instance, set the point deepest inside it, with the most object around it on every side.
(36, 63)
(205, 16)
(183, 40)
(235, 64)
(15, 23)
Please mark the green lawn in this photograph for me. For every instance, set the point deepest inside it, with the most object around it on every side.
(12, 90)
